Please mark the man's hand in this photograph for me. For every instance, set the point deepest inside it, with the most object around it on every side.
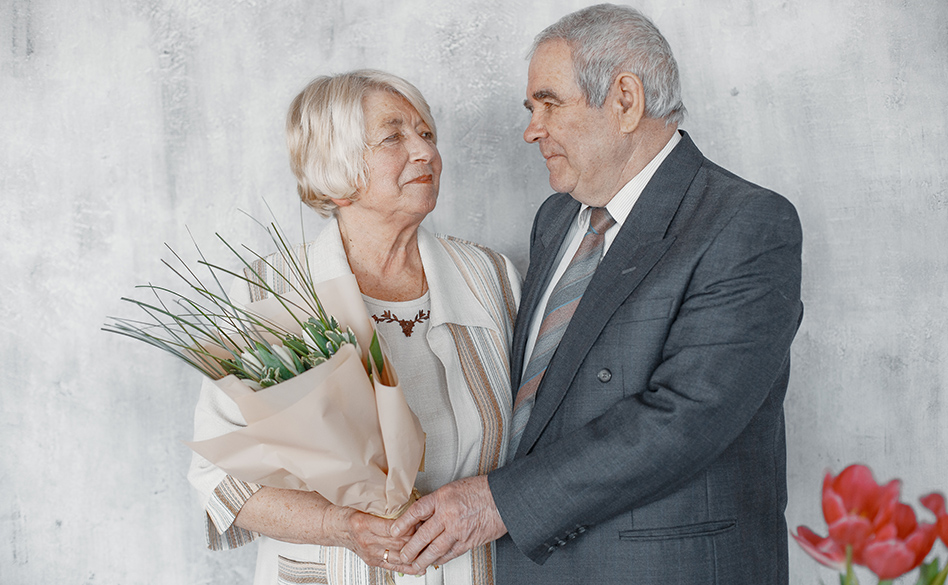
(449, 522)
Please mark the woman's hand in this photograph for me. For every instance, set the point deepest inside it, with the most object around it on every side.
(370, 537)
(308, 518)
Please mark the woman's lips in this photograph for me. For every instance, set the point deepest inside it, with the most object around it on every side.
(424, 179)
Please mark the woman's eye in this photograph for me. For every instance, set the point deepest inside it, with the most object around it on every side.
(393, 138)
(427, 135)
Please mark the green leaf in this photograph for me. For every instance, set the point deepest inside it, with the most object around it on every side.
(317, 340)
(336, 338)
(375, 352)
(942, 576)
(272, 363)
(927, 572)
(297, 345)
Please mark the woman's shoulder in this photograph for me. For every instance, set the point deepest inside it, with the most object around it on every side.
(467, 245)
(486, 270)
(470, 255)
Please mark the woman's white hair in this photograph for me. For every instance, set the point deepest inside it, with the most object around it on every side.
(326, 134)
(606, 40)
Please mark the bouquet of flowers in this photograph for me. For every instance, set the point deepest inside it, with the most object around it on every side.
(870, 527)
(322, 405)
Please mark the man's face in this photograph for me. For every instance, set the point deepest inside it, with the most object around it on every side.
(578, 142)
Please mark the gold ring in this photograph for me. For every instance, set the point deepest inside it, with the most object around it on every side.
(385, 556)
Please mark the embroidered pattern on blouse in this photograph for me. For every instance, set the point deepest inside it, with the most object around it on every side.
(407, 324)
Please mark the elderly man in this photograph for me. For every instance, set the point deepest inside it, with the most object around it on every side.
(652, 350)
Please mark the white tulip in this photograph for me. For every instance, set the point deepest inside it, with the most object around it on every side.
(285, 357)
(251, 360)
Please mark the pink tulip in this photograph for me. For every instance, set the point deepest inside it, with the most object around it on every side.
(936, 503)
(824, 550)
(855, 506)
(898, 546)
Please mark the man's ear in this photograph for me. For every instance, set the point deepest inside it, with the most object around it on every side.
(630, 94)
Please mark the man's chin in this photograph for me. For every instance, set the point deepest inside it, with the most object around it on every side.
(560, 185)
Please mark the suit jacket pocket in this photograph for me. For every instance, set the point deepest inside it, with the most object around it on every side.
(678, 532)
(643, 310)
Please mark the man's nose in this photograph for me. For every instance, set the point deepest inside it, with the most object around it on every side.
(535, 130)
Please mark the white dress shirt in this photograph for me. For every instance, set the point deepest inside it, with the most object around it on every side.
(619, 208)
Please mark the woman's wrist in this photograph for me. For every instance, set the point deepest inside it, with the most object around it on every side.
(337, 528)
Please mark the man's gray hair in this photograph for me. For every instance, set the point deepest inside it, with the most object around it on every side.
(606, 40)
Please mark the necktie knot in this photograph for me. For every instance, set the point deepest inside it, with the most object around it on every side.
(600, 220)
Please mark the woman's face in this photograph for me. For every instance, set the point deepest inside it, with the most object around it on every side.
(404, 166)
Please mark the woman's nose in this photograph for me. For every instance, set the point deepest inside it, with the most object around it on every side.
(422, 149)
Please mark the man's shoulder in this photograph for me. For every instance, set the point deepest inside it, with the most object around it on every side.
(729, 192)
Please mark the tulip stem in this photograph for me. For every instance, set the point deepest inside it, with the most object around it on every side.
(850, 578)
(942, 576)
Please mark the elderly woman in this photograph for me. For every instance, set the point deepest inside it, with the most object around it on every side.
(363, 148)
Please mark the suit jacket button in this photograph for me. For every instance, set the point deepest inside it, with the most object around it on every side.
(604, 375)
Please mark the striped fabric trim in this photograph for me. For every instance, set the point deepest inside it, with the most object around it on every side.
(480, 352)
(486, 273)
(293, 572)
(265, 270)
(226, 500)
(344, 566)
(472, 346)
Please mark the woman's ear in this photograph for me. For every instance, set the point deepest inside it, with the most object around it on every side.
(630, 96)
(341, 202)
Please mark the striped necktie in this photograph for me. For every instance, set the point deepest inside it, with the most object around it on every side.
(559, 310)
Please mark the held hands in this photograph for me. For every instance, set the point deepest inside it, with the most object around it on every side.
(371, 538)
(447, 523)
(308, 518)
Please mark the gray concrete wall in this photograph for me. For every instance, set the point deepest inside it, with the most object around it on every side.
(124, 124)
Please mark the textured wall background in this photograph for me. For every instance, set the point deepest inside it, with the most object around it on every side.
(124, 123)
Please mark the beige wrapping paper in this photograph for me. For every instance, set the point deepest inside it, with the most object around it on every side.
(330, 429)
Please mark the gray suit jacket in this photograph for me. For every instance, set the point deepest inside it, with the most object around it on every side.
(655, 452)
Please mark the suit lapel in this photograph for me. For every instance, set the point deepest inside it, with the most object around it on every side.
(640, 244)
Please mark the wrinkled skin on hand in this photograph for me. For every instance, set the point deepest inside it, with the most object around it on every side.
(369, 537)
(308, 518)
(447, 523)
